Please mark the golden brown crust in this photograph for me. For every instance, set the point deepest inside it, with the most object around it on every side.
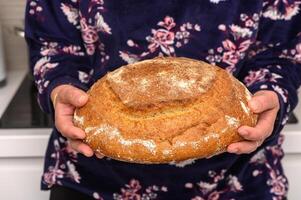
(164, 110)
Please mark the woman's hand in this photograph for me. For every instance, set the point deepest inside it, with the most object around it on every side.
(65, 99)
(266, 104)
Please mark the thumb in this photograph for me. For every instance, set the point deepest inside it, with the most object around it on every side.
(71, 95)
(263, 100)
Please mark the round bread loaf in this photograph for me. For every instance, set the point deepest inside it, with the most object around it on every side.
(164, 110)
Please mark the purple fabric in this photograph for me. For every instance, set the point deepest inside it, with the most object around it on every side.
(77, 41)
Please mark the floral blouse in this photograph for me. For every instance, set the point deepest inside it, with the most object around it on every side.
(78, 41)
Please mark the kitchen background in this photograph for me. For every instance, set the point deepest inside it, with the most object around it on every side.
(12, 15)
(23, 128)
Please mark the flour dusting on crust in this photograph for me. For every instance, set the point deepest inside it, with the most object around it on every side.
(248, 94)
(113, 133)
(110, 131)
(232, 121)
(166, 152)
(78, 119)
(144, 84)
(245, 108)
(210, 136)
(149, 144)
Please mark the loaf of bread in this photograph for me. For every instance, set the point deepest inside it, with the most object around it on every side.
(164, 110)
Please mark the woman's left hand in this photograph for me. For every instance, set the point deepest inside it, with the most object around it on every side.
(266, 104)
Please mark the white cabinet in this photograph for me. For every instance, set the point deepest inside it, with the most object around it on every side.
(21, 163)
(20, 179)
(292, 166)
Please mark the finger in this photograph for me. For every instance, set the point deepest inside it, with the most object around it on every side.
(99, 155)
(263, 128)
(64, 123)
(263, 100)
(81, 147)
(72, 95)
(243, 147)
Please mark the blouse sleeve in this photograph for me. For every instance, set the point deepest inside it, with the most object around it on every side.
(274, 62)
(56, 50)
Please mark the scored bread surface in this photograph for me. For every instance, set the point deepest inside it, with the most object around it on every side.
(164, 110)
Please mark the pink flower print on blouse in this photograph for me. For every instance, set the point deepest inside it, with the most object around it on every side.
(163, 40)
(89, 35)
(239, 38)
(35, 8)
(168, 23)
(163, 37)
(53, 48)
(85, 77)
(45, 64)
(261, 75)
(209, 190)
(63, 166)
(41, 68)
(233, 53)
(71, 13)
(92, 25)
(281, 9)
(134, 191)
(293, 54)
(276, 181)
(276, 151)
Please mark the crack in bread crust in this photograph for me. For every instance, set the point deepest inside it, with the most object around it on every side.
(165, 131)
(159, 81)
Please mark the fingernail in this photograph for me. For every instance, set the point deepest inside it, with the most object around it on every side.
(234, 150)
(87, 154)
(98, 155)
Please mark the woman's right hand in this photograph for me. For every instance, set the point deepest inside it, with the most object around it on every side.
(66, 99)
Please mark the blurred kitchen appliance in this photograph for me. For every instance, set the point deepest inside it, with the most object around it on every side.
(24, 111)
(2, 65)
